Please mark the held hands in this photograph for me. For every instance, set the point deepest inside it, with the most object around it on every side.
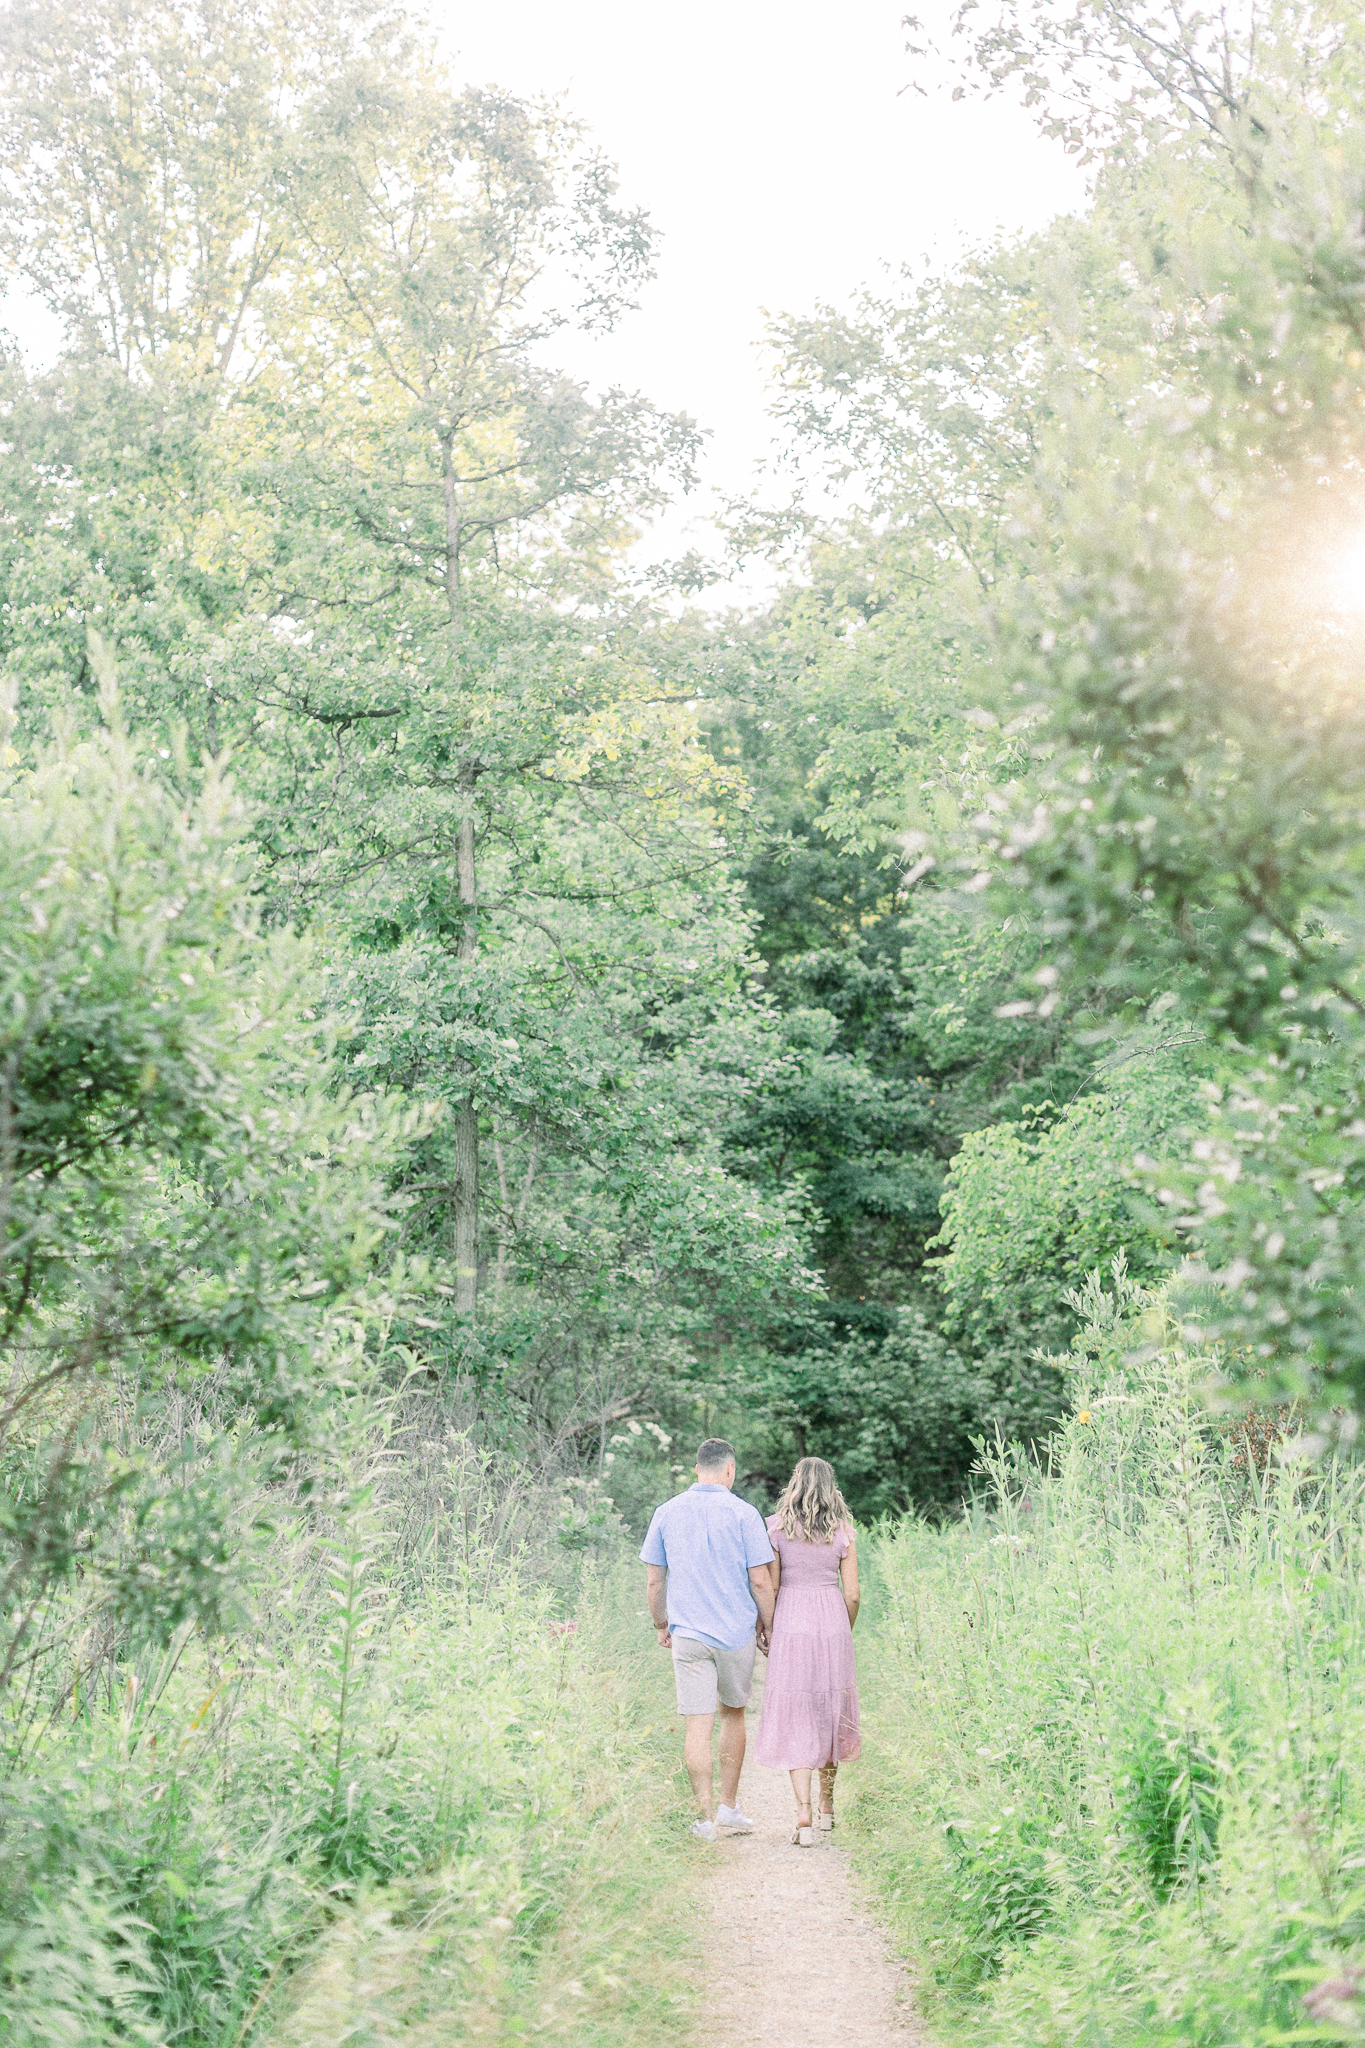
(763, 1636)
(665, 1637)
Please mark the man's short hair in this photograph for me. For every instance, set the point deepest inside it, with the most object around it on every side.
(715, 1454)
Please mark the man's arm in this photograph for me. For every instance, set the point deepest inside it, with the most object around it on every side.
(656, 1577)
(765, 1600)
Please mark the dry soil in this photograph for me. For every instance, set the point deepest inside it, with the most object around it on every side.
(796, 1960)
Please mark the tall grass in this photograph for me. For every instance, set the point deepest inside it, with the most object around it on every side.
(1116, 1786)
(418, 1796)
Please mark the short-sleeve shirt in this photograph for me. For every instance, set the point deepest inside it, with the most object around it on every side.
(708, 1542)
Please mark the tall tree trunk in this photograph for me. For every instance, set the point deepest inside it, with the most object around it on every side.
(465, 1172)
(465, 1177)
(450, 496)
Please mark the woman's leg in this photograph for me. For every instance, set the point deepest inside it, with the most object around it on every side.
(801, 1787)
(828, 1773)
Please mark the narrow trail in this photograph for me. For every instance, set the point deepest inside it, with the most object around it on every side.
(795, 1959)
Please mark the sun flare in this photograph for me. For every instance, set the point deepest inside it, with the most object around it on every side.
(1346, 577)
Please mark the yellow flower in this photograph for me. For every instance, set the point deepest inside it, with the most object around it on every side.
(1084, 1415)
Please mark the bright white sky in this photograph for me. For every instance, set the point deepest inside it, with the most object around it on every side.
(772, 143)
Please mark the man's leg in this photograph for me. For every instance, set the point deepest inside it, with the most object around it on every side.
(697, 1757)
(731, 1753)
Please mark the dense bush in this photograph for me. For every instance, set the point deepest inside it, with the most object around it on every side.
(1031, 1206)
(1115, 1794)
(185, 1192)
(894, 1410)
(409, 1796)
(898, 1399)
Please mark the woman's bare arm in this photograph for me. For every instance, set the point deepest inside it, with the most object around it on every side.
(848, 1580)
(765, 1628)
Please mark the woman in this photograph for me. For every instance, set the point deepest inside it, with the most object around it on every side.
(810, 1701)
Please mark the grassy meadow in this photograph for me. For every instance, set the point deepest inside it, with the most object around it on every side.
(429, 1791)
(1116, 1787)
(418, 1797)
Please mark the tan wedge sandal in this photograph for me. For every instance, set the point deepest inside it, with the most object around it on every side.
(804, 1838)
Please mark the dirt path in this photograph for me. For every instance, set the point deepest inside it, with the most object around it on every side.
(796, 1960)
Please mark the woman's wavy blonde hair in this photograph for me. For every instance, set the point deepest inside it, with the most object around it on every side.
(811, 1505)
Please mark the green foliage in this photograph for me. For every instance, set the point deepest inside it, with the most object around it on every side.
(1270, 1193)
(1001, 1892)
(1029, 1207)
(1182, 637)
(851, 711)
(1094, 631)
(444, 1781)
(895, 1411)
(900, 1402)
(1110, 77)
(1113, 1796)
(1169, 1800)
(895, 1008)
(856, 1139)
(378, 570)
(317, 1726)
(935, 403)
(723, 953)
(186, 1196)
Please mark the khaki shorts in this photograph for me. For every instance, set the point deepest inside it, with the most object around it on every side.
(702, 1675)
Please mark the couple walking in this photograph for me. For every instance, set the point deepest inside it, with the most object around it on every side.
(720, 1585)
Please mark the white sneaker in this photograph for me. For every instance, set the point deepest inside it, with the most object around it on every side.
(705, 1831)
(734, 1817)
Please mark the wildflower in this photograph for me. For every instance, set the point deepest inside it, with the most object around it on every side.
(1084, 1415)
(1335, 2000)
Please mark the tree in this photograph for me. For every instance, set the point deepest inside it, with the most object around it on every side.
(424, 226)
(1033, 1207)
(859, 722)
(1113, 80)
(353, 503)
(1193, 639)
(146, 152)
(185, 1193)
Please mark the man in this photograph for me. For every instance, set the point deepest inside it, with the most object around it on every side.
(713, 1552)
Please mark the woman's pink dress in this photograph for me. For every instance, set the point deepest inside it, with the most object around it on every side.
(810, 1698)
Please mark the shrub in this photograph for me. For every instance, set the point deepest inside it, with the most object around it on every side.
(412, 1791)
(182, 1193)
(1115, 1720)
(895, 1417)
(1001, 1894)
(1030, 1207)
